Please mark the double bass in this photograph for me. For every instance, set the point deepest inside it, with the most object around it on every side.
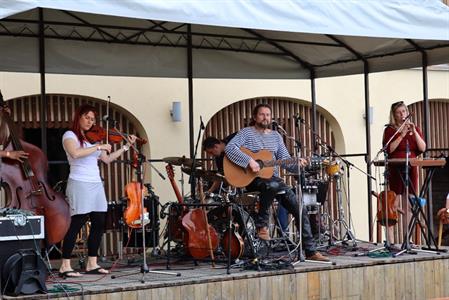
(27, 188)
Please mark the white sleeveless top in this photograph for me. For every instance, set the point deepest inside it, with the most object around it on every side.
(84, 168)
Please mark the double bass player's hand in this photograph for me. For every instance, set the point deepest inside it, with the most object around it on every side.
(16, 155)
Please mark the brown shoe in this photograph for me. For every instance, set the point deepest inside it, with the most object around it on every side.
(263, 233)
(318, 257)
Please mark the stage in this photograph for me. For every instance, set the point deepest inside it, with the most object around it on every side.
(410, 276)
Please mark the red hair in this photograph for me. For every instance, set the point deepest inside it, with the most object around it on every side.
(81, 111)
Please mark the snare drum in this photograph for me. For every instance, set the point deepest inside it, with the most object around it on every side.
(309, 195)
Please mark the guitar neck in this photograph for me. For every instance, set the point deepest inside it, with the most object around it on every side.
(279, 162)
(176, 190)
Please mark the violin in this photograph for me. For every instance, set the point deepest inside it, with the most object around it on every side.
(133, 211)
(392, 213)
(97, 134)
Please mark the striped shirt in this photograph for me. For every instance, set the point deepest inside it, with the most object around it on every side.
(255, 141)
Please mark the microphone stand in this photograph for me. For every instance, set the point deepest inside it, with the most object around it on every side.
(349, 232)
(192, 179)
(299, 196)
(384, 150)
(144, 268)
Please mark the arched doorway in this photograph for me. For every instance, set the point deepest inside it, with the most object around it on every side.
(438, 147)
(25, 113)
(238, 115)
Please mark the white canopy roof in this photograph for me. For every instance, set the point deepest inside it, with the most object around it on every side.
(230, 38)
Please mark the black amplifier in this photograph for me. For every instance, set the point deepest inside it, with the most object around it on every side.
(21, 227)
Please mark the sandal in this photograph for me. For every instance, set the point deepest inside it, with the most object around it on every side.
(70, 274)
(97, 271)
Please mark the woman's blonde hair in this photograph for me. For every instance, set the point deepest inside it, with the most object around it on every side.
(395, 106)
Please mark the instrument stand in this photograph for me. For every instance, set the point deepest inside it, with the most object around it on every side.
(246, 234)
(154, 206)
(387, 244)
(416, 209)
(144, 268)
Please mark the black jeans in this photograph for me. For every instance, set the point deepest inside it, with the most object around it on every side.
(269, 189)
(97, 220)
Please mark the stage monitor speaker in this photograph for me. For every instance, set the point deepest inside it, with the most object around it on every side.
(24, 272)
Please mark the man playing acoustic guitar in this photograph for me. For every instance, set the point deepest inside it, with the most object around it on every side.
(258, 138)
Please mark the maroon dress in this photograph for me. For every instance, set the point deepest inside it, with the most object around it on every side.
(394, 174)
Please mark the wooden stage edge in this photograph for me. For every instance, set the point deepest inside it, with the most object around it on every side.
(410, 276)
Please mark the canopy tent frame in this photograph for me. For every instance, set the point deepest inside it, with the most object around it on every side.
(184, 38)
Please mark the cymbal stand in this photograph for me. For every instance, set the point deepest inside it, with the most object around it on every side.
(144, 269)
(192, 179)
(340, 222)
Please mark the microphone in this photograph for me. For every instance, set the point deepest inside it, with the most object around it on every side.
(298, 120)
(202, 124)
(408, 117)
(274, 125)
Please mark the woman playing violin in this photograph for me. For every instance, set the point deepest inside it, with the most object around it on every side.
(409, 135)
(85, 190)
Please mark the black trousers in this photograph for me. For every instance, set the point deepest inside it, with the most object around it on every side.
(269, 189)
(97, 221)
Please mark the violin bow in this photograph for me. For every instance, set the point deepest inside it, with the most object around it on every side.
(107, 119)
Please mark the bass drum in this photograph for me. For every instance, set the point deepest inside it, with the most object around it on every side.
(219, 219)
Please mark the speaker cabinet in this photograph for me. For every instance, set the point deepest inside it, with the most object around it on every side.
(24, 272)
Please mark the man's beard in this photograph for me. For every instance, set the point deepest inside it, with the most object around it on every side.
(262, 125)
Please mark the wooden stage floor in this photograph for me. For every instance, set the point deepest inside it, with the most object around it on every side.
(410, 276)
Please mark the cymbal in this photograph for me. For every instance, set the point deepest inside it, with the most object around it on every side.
(181, 161)
(205, 174)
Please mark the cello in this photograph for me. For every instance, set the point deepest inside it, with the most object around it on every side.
(27, 188)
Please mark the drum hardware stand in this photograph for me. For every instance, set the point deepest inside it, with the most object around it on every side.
(192, 179)
(341, 222)
(144, 267)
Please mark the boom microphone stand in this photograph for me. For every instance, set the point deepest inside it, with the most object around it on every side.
(299, 194)
(384, 150)
(143, 222)
(349, 232)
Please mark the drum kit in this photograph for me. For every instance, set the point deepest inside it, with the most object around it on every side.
(320, 172)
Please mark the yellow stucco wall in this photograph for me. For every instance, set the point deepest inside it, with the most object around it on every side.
(149, 99)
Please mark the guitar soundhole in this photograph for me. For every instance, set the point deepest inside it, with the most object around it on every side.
(260, 162)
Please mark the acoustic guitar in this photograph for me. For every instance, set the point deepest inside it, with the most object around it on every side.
(240, 177)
